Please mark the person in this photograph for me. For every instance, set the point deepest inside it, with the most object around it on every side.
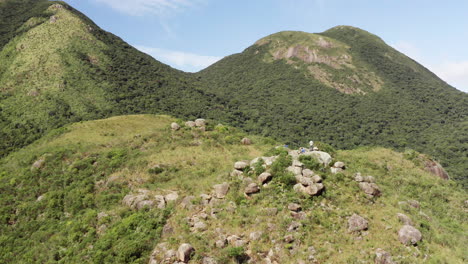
(311, 144)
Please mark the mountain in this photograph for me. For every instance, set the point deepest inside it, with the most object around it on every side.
(346, 87)
(58, 67)
(129, 189)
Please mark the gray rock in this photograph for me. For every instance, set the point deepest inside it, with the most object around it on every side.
(132, 200)
(255, 235)
(186, 203)
(175, 126)
(167, 230)
(199, 226)
(272, 211)
(294, 226)
(307, 173)
(200, 122)
(294, 207)
(240, 165)
(357, 223)
(237, 173)
(246, 141)
(306, 181)
(358, 177)
(334, 170)
(220, 190)
(171, 197)
(209, 260)
(405, 219)
(383, 257)
(368, 179)
(370, 189)
(38, 164)
(269, 160)
(299, 215)
(409, 235)
(316, 178)
(185, 252)
(252, 188)
(146, 203)
(53, 19)
(339, 164)
(264, 177)
(160, 201)
(205, 199)
(190, 124)
(295, 170)
(414, 204)
(297, 163)
(288, 238)
(236, 241)
(221, 243)
(322, 157)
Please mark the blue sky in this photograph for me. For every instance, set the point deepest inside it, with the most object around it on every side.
(191, 34)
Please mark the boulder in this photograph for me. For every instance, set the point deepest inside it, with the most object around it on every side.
(209, 260)
(306, 181)
(269, 160)
(171, 197)
(322, 157)
(436, 169)
(414, 204)
(236, 241)
(200, 122)
(368, 179)
(313, 189)
(409, 235)
(145, 203)
(264, 177)
(288, 238)
(186, 203)
(383, 257)
(334, 170)
(190, 124)
(371, 189)
(299, 215)
(53, 19)
(339, 164)
(358, 177)
(185, 251)
(294, 170)
(220, 190)
(316, 179)
(294, 207)
(307, 173)
(294, 226)
(240, 165)
(246, 141)
(38, 164)
(167, 230)
(199, 226)
(175, 126)
(236, 173)
(357, 223)
(297, 163)
(160, 201)
(255, 235)
(132, 200)
(405, 219)
(251, 189)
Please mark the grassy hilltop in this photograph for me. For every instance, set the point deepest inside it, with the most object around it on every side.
(63, 199)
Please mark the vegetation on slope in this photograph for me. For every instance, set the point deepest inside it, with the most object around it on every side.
(413, 108)
(61, 199)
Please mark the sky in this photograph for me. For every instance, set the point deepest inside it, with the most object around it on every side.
(190, 35)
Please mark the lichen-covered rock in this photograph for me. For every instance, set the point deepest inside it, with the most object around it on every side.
(200, 122)
(175, 126)
(405, 219)
(185, 252)
(220, 190)
(246, 141)
(409, 235)
(240, 165)
(357, 223)
(190, 124)
(264, 177)
(251, 189)
(383, 257)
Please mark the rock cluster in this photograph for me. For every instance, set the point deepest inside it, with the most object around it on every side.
(338, 167)
(367, 185)
(308, 182)
(144, 198)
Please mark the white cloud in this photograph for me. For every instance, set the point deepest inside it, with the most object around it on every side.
(454, 73)
(181, 60)
(144, 7)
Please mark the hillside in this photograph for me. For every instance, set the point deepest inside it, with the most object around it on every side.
(345, 87)
(58, 67)
(128, 189)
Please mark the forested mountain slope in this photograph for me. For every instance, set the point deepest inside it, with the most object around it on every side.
(345, 87)
(58, 67)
